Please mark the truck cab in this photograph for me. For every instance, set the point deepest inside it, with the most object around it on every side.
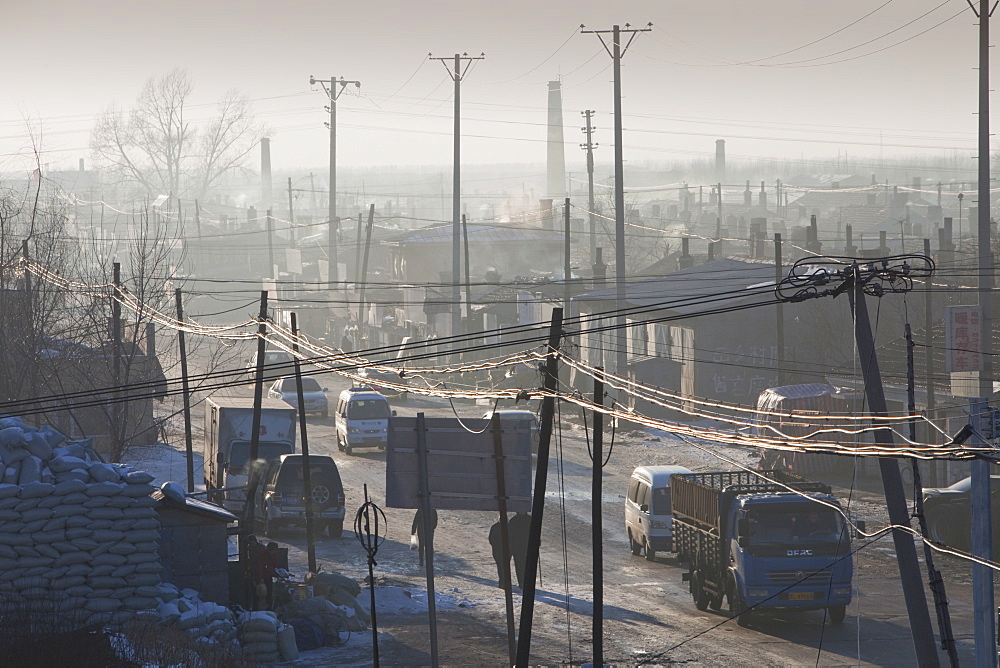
(790, 553)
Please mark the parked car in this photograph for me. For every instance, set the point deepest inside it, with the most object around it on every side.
(312, 394)
(277, 363)
(281, 495)
(949, 513)
(519, 415)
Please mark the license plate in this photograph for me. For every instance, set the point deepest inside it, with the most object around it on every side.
(800, 596)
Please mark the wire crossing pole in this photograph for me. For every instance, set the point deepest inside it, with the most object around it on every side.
(538, 500)
(616, 52)
(333, 91)
(457, 72)
(188, 443)
(589, 147)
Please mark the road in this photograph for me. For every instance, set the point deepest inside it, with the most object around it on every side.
(649, 615)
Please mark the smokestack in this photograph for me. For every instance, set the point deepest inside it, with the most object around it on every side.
(747, 197)
(762, 198)
(556, 154)
(720, 160)
(265, 173)
(600, 269)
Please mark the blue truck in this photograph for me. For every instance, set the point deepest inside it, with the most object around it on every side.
(746, 537)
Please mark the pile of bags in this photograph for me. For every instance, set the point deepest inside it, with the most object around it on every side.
(78, 537)
(265, 639)
(203, 621)
(334, 606)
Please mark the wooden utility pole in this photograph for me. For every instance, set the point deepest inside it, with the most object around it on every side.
(253, 475)
(779, 311)
(270, 246)
(364, 277)
(457, 73)
(498, 458)
(428, 532)
(616, 51)
(188, 442)
(468, 281)
(291, 214)
(589, 147)
(306, 470)
(906, 553)
(120, 411)
(333, 92)
(357, 254)
(538, 500)
(928, 353)
(597, 521)
(567, 269)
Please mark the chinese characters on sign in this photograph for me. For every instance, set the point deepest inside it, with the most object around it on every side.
(962, 338)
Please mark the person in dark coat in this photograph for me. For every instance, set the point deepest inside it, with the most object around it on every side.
(418, 530)
(496, 543)
(518, 529)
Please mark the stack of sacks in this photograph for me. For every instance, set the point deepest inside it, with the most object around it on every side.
(259, 636)
(78, 537)
(204, 621)
(343, 592)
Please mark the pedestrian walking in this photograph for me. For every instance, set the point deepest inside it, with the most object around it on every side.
(496, 543)
(518, 529)
(418, 530)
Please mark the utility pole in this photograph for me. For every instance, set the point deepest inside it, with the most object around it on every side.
(597, 521)
(567, 269)
(928, 354)
(457, 72)
(306, 470)
(779, 310)
(589, 147)
(538, 498)
(364, 276)
(982, 576)
(616, 52)
(333, 91)
(291, 213)
(253, 475)
(188, 443)
(468, 281)
(906, 553)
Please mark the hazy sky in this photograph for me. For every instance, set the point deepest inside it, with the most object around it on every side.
(772, 77)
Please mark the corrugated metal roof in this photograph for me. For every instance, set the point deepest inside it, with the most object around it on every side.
(719, 276)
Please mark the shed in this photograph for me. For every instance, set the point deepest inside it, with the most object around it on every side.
(194, 548)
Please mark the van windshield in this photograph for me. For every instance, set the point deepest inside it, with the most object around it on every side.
(268, 451)
(661, 501)
(367, 409)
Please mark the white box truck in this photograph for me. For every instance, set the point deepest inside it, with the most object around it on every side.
(228, 429)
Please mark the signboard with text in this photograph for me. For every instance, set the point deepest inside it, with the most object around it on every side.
(962, 338)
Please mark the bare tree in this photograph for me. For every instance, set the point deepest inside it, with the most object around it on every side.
(156, 147)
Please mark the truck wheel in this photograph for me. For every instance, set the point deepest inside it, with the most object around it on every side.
(715, 602)
(634, 545)
(347, 449)
(837, 613)
(698, 593)
(335, 528)
(737, 606)
(650, 552)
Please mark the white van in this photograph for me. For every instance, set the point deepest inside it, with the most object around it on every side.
(647, 509)
(362, 419)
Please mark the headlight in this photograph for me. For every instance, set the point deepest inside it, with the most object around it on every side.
(657, 524)
(842, 591)
(757, 592)
(353, 430)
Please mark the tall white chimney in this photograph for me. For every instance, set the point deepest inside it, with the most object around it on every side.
(556, 157)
